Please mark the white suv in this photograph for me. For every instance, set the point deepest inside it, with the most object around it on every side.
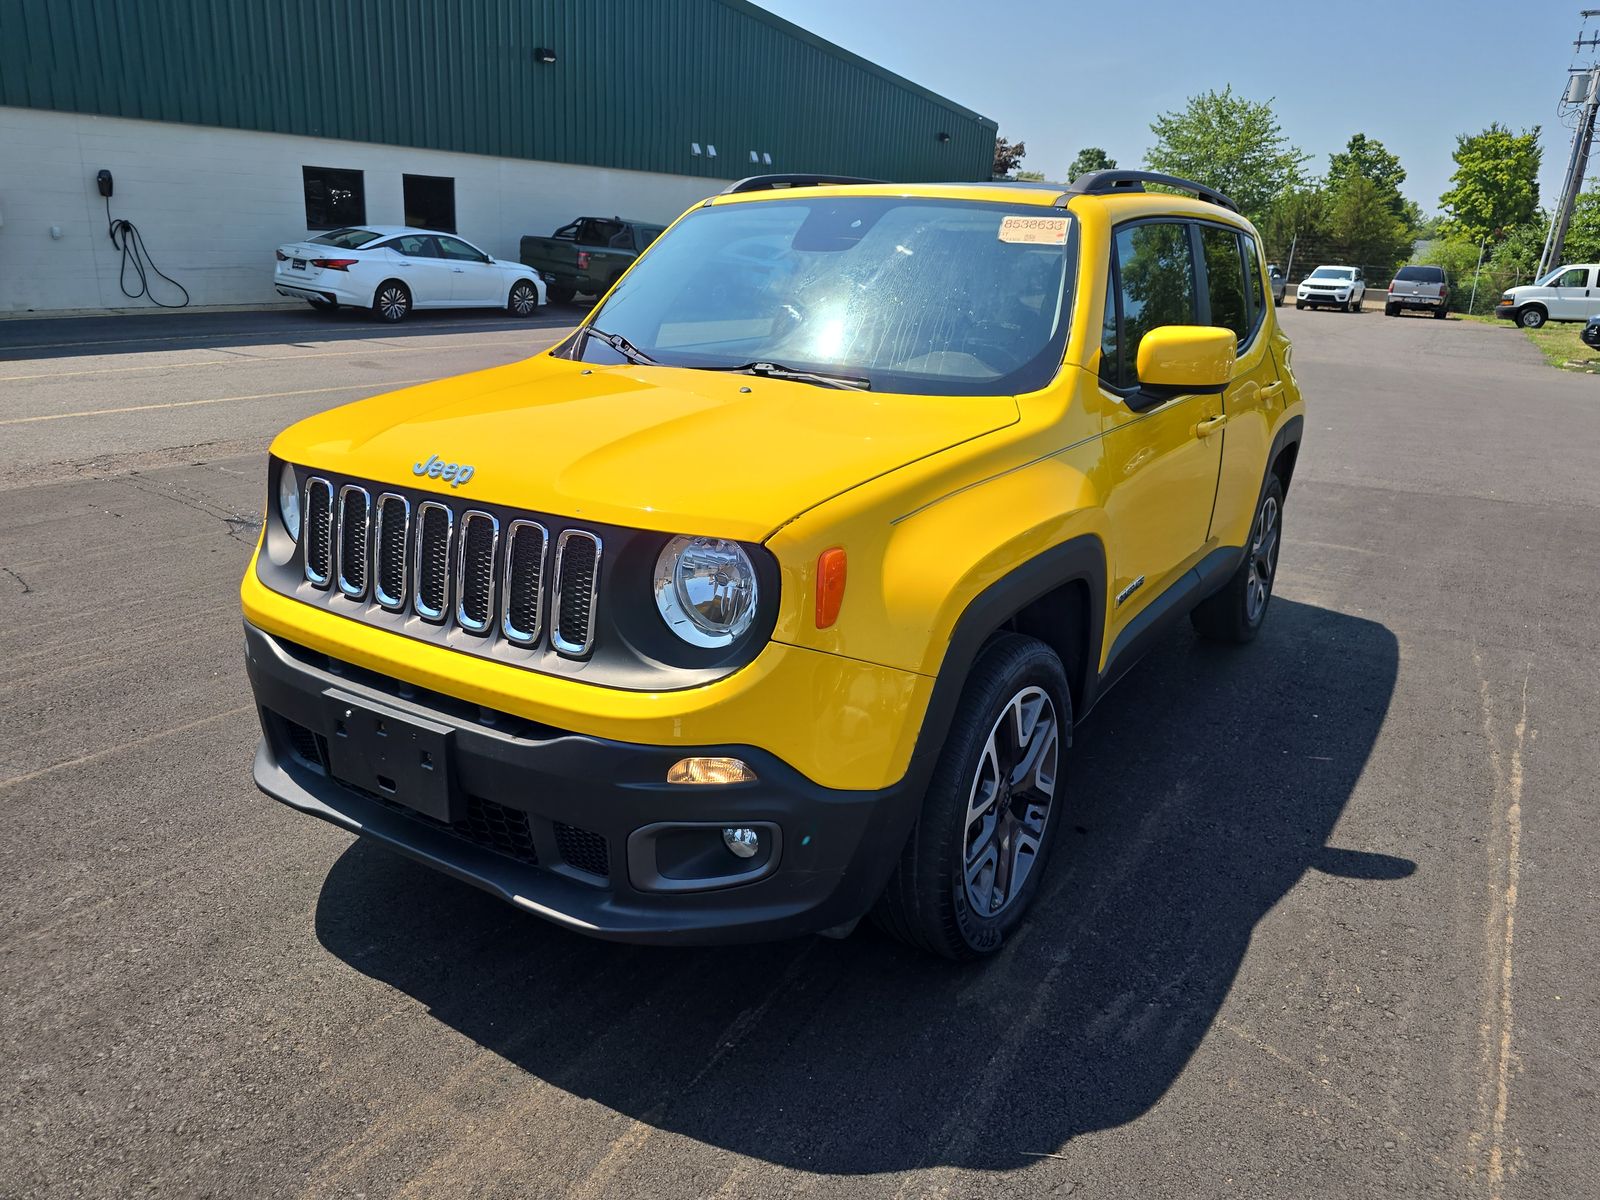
(1566, 294)
(1335, 287)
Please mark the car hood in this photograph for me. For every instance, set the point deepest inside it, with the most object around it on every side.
(662, 448)
(1333, 283)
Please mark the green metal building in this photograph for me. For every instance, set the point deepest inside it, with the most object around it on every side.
(493, 117)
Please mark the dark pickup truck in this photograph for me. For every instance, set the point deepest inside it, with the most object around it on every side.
(587, 255)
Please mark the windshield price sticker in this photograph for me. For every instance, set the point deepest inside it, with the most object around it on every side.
(1035, 231)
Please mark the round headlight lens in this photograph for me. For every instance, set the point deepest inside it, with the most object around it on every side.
(706, 590)
(289, 501)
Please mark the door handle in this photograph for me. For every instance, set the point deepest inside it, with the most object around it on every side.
(1272, 389)
(457, 270)
(1210, 425)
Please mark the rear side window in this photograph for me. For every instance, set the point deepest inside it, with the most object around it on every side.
(1421, 274)
(1154, 273)
(1225, 280)
(1254, 286)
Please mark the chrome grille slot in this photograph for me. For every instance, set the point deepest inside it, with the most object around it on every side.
(480, 538)
(355, 515)
(577, 584)
(431, 585)
(522, 582)
(389, 541)
(319, 532)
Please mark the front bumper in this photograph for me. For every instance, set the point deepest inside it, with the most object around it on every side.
(1506, 312)
(573, 828)
(1322, 298)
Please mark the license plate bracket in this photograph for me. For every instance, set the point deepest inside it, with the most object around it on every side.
(297, 264)
(401, 757)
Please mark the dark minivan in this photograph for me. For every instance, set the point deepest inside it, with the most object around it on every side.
(1418, 287)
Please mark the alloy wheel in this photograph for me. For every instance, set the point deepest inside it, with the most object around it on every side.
(393, 303)
(1263, 561)
(523, 300)
(1008, 806)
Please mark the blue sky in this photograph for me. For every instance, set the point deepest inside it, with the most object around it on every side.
(1061, 75)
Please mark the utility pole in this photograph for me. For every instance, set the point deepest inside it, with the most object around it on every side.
(1583, 87)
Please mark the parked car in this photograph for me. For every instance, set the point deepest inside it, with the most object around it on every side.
(589, 255)
(1418, 287)
(1570, 293)
(1275, 281)
(774, 593)
(1591, 333)
(1332, 287)
(394, 269)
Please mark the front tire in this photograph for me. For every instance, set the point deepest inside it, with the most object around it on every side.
(1235, 613)
(1299, 303)
(524, 299)
(1532, 317)
(975, 857)
(391, 303)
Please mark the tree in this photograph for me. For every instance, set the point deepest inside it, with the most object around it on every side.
(1367, 158)
(1496, 182)
(1007, 157)
(1365, 228)
(1090, 158)
(1230, 143)
(1030, 176)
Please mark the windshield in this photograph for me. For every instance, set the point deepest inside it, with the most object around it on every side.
(1334, 273)
(933, 297)
(345, 239)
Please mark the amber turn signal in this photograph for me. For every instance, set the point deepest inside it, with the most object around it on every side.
(830, 586)
(710, 770)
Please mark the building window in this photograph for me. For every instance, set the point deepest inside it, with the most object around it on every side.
(334, 198)
(430, 202)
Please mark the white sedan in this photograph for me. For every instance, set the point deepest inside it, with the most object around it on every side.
(393, 269)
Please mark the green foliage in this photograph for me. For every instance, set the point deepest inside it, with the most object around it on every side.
(1583, 234)
(1030, 176)
(1507, 265)
(1090, 158)
(1366, 227)
(1230, 143)
(1365, 158)
(1007, 157)
(1495, 184)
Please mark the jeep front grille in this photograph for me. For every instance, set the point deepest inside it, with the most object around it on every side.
(522, 595)
(393, 527)
(355, 507)
(461, 569)
(319, 533)
(480, 537)
(577, 570)
(435, 526)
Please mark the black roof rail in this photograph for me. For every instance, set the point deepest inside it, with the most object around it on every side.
(768, 183)
(1102, 183)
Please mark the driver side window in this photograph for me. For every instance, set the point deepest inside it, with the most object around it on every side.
(1153, 269)
(1576, 278)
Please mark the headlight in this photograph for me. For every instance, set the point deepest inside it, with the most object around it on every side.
(705, 589)
(289, 501)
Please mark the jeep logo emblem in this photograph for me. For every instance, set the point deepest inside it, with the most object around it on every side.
(452, 473)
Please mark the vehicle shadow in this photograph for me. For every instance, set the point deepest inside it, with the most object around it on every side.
(1203, 788)
(139, 333)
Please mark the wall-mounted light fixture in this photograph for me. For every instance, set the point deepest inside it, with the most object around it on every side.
(543, 55)
(943, 136)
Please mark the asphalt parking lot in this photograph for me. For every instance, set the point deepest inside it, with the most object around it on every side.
(1324, 923)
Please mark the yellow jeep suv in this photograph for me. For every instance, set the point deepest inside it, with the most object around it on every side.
(771, 596)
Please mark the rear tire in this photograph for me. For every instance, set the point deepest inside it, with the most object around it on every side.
(559, 295)
(391, 302)
(1277, 302)
(975, 857)
(1440, 313)
(1235, 613)
(524, 299)
(1391, 310)
(1531, 317)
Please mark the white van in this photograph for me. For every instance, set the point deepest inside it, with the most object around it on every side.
(1566, 294)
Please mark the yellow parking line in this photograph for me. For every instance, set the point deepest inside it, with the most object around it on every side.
(105, 412)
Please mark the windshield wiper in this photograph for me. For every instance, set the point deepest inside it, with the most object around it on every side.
(618, 343)
(772, 370)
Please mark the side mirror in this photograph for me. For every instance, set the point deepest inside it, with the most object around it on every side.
(1179, 360)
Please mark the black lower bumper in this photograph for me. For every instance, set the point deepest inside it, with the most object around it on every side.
(580, 830)
(1506, 312)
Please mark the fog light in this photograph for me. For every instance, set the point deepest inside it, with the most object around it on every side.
(743, 841)
(710, 770)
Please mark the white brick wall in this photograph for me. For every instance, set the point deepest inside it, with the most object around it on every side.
(212, 203)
